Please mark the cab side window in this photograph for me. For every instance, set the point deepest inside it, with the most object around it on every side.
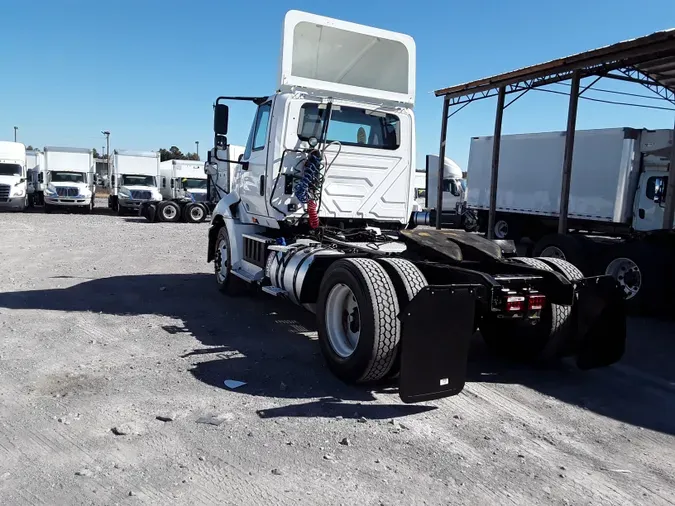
(258, 136)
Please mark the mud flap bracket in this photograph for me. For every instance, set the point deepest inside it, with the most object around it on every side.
(436, 330)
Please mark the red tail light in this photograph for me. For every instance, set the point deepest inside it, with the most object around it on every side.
(515, 303)
(536, 302)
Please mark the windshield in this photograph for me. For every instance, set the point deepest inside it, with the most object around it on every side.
(10, 169)
(137, 180)
(66, 177)
(195, 184)
(351, 126)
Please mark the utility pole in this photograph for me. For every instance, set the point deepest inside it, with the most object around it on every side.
(197, 144)
(15, 129)
(107, 151)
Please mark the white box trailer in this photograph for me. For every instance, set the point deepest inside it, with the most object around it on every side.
(69, 178)
(617, 189)
(134, 180)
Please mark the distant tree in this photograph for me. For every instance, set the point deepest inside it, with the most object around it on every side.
(29, 148)
(96, 155)
(174, 153)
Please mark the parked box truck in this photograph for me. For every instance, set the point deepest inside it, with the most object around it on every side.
(134, 180)
(69, 178)
(616, 205)
(13, 187)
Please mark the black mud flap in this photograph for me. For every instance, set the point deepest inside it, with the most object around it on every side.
(148, 211)
(436, 329)
(601, 323)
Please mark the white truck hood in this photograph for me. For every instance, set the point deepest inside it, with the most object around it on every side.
(80, 186)
(10, 180)
(139, 187)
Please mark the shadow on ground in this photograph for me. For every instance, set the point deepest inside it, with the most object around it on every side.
(268, 344)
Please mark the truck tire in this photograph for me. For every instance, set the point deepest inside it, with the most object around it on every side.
(357, 320)
(228, 283)
(169, 212)
(194, 213)
(565, 247)
(641, 271)
(543, 341)
(408, 281)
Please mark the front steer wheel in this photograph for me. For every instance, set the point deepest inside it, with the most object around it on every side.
(356, 314)
(228, 283)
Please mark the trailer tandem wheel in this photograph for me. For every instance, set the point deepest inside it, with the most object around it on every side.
(357, 313)
(521, 340)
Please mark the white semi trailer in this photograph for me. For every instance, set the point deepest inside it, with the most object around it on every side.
(69, 179)
(134, 180)
(616, 205)
(317, 213)
(13, 187)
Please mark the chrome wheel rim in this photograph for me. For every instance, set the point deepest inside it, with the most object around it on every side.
(627, 274)
(221, 261)
(553, 252)
(169, 212)
(197, 213)
(501, 229)
(343, 320)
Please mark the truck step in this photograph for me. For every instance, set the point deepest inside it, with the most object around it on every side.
(246, 276)
(273, 290)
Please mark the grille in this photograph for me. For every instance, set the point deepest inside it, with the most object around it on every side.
(141, 194)
(199, 197)
(4, 191)
(67, 191)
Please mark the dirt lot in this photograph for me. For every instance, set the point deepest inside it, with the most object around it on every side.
(108, 323)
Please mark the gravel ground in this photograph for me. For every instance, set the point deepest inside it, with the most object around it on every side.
(115, 346)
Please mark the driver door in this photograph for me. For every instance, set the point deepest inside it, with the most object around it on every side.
(254, 169)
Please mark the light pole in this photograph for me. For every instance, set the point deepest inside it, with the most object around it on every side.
(107, 151)
(15, 129)
(197, 144)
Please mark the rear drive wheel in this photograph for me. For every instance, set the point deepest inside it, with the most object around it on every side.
(408, 281)
(520, 340)
(228, 283)
(194, 213)
(357, 319)
(641, 271)
(169, 212)
(563, 247)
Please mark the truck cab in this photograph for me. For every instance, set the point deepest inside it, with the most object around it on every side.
(69, 178)
(650, 196)
(134, 180)
(13, 187)
(183, 178)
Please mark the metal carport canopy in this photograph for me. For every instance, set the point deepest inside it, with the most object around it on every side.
(648, 61)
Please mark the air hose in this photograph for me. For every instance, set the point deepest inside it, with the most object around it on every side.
(308, 187)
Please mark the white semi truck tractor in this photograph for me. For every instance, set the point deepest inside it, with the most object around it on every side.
(317, 214)
(69, 179)
(13, 186)
(134, 180)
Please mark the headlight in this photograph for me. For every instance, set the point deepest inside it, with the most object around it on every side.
(50, 190)
(85, 192)
(124, 194)
(18, 192)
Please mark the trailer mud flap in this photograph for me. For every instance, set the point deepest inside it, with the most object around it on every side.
(148, 211)
(601, 318)
(436, 329)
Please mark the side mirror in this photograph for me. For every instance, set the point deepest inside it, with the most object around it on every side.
(208, 156)
(220, 118)
(172, 183)
(112, 180)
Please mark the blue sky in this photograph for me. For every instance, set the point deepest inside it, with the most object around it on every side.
(149, 70)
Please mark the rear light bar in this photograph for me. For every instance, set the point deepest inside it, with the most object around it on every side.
(515, 303)
(536, 302)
